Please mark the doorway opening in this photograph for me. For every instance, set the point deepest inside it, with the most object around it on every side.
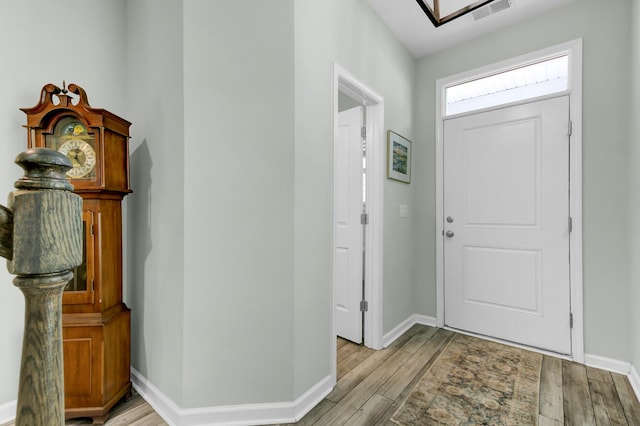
(351, 95)
(572, 51)
(349, 220)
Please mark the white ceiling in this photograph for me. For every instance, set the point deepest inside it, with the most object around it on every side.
(413, 28)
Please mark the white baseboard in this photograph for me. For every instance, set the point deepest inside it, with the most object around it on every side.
(608, 364)
(312, 397)
(163, 405)
(405, 325)
(244, 414)
(8, 411)
(425, 320)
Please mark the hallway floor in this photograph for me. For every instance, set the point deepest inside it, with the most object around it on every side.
(373, 385)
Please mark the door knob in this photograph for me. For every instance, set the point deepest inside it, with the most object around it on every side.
(449, 234)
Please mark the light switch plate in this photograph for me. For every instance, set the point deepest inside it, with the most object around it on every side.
(404, 210)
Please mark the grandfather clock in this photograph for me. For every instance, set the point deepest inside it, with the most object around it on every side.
(95, 321)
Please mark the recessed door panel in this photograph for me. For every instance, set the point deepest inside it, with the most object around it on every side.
(503, 278)
(500, 165)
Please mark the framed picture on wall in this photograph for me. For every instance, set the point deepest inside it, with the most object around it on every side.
(398, 157)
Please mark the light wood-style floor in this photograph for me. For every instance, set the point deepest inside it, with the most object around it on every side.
(134, 412)
(372, 385)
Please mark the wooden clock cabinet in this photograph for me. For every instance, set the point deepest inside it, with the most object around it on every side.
(95, 320)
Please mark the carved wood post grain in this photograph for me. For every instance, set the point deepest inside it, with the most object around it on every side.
(41, 236)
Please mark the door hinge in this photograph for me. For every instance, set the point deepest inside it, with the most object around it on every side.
(570, 224)
(364, 306)
(93, 286)
(570, 127)
(364, 219)
(363, 132)
(92, 229)
(570, 319)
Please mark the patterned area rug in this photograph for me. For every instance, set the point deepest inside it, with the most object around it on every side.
(476, 382)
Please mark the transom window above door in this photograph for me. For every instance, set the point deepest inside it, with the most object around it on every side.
(526, 82)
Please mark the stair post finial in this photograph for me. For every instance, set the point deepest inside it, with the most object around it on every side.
(41, 237)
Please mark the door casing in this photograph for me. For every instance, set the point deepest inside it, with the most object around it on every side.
(345, 82)
(574, 50)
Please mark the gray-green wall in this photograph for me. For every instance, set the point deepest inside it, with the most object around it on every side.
(605, 29)
(239, 153)
(47, 42)
(351, 34)
(154, 214)
(251, 93)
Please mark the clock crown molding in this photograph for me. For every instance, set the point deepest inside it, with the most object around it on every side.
(54, 100)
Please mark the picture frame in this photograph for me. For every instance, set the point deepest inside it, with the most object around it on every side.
(398, 157)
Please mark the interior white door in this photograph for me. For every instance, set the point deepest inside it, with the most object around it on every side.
(506, 210)
(348, 232)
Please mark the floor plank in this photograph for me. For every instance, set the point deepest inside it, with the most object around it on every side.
(597, 374)
(347, 350)
(606, 404)
(349, 363)
(405, 374)
(365, 389)
(341, 342)
(628, 398)
(546, 421)
(359, 373)
(551, 390)
(578, 407)
(316, 413)
(152, 419)
(370, 411)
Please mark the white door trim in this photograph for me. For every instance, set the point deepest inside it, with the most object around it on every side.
(574, 50)
(345, 82)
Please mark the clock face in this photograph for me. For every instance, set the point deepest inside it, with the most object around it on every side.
(82, 156)
(72, 138)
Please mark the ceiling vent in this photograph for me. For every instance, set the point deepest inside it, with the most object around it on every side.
(491, 8)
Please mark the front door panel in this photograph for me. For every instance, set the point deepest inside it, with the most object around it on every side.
(507, 204)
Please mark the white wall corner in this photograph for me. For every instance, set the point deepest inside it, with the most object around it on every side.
(608, 364)
(312, 397)
(8, 411)
(634, 379)
(162, 404)
(242, 414)
(405, 325)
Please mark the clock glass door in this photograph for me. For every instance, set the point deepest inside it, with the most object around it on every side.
(80, 289)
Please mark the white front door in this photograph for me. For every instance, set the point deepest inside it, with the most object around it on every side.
(348, 231)
(506, 210)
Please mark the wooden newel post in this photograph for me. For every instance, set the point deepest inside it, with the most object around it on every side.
(41, 236)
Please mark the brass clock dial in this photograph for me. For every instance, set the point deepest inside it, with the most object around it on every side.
(82, 156)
